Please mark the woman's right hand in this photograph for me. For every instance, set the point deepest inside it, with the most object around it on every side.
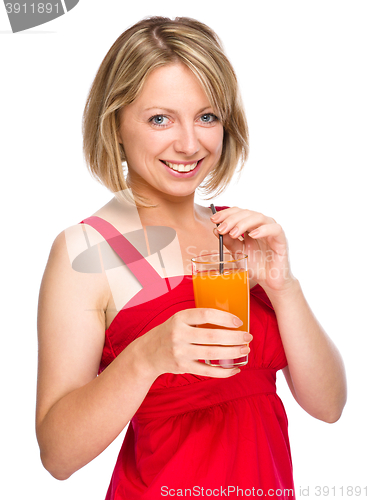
(177, 345)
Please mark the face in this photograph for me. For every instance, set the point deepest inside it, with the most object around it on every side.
(171, 134)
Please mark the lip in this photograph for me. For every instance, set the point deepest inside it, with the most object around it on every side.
(183, 175)
(181, 162)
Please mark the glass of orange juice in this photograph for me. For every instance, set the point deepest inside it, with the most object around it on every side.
(223, 284)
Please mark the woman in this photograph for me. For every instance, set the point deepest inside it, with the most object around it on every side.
(165, 101)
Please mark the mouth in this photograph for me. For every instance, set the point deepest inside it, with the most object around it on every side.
(182, 167)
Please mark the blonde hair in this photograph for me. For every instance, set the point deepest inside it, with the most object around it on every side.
(147, 45)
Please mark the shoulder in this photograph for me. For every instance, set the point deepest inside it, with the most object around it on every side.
(58, 255)
(68, 244)
(77, 248)
(71, 270)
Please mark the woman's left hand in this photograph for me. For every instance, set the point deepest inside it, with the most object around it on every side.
(263, 240)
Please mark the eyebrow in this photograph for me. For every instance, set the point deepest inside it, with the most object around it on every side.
(167, 110)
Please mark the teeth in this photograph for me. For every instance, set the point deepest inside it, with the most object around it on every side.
(181, 167)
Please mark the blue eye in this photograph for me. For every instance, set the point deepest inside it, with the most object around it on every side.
(158, 120)
(208, 118)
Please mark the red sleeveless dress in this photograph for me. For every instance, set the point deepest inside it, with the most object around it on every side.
(194, 435)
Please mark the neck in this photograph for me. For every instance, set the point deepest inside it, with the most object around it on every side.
(167, 210)
(172, 211)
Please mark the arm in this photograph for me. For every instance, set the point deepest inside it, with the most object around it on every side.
(79, 414)
(315, 372)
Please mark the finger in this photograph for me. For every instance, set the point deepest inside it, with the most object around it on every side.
(204, 370)
(244, 221)
(233, 245)
(217, 352)
(203, 315)
(269, 230)
(210, 336)
(222, 214)
(228, 221)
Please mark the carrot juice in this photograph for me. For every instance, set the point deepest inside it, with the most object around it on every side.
(226, 291)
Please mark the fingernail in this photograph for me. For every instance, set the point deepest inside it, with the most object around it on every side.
(247, 337)
(234, 231)
(222, 227)
(254, 233)
(237, 321)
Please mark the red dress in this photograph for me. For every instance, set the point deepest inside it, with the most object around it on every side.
(194, 435)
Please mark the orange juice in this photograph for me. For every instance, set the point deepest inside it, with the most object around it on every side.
(227, 292)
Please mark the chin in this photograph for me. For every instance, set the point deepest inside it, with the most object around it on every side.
(180, 194)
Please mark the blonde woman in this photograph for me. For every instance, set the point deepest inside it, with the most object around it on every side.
(165, 103)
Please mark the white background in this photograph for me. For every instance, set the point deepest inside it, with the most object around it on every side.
(304, 72)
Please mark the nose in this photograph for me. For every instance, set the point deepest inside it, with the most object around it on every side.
(187, 141)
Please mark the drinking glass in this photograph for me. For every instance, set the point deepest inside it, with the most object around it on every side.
(224, 285)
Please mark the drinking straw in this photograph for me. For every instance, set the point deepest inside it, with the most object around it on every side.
(221, 258)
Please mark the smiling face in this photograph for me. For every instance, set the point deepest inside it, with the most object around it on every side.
(171, 136)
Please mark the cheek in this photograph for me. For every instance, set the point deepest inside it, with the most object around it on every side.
(154, 143)
(216, 140)
(150, 144)
(136, 145)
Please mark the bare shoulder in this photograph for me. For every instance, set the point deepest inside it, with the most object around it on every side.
(64, 269)
(66, 282)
